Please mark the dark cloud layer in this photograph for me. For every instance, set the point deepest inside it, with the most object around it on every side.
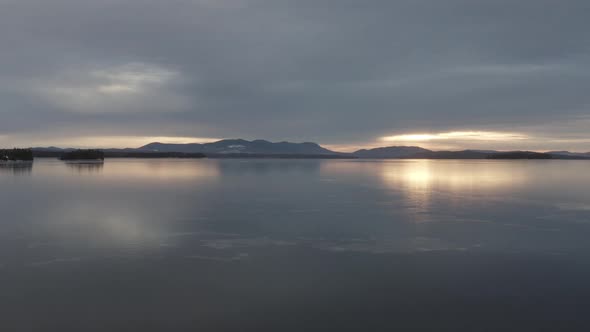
(334, 71)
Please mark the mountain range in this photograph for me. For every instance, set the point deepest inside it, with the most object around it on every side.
(260, 148)
(237, 146)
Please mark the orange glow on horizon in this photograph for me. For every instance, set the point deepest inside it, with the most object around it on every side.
(457, 135)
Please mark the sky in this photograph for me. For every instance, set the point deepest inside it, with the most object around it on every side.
(450, 74)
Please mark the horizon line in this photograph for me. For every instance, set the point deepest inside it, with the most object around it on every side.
(286, 141)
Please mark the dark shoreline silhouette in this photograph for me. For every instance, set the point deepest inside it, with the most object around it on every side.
(9, 155)
(82, 155)
(239, 148)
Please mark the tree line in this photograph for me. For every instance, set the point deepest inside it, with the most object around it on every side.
(16, 154)
(83, 155)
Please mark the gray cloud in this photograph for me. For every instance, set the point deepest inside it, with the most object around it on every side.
(334, 71)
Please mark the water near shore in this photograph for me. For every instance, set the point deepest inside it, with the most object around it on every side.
(295, 245)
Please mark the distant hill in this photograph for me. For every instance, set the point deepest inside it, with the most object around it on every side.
(569, 155)
(464, 154)
(520, 155)
(240, 146)
(51, 149)
(415, 152)
(390, 152)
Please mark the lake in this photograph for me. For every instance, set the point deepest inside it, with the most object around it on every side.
(295, 245)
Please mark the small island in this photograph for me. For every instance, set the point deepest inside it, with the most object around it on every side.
(83, 155)
(16, 155)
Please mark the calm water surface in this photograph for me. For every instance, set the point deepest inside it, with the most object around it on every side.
(295, 245)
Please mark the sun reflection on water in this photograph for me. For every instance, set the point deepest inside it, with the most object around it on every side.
(419, 182)
(450, 175)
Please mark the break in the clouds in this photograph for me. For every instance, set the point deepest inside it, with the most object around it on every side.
(129, 88)
(456, 73)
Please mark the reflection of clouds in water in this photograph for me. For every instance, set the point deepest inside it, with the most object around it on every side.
(128, 228)
(161, 170)
(458, 205)
(106, 225)
(134, 170)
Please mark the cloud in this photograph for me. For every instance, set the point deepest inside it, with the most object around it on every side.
(128, 88)
(457, 135)
(330, 71)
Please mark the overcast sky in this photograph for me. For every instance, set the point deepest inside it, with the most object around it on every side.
(444, 74)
